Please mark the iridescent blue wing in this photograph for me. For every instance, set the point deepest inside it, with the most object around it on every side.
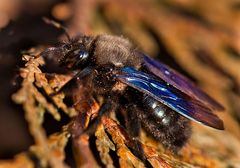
(170, 96)
(180, 82)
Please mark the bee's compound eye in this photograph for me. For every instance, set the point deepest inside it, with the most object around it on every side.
(81, 58)
(83, 55)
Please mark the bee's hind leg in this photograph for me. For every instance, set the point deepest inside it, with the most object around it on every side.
(133, 126)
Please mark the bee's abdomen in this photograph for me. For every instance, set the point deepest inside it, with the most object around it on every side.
(158, 110)
(166, 125)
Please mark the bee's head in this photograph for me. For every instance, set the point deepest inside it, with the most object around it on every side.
(74, 54)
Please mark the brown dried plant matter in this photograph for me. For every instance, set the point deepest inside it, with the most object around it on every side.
(110, 136)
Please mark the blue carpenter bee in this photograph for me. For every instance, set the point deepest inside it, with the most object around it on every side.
(146, 92)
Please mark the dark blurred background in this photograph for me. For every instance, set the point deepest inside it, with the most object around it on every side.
(21, 27)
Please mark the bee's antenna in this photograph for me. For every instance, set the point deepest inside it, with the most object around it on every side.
(57, 25)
